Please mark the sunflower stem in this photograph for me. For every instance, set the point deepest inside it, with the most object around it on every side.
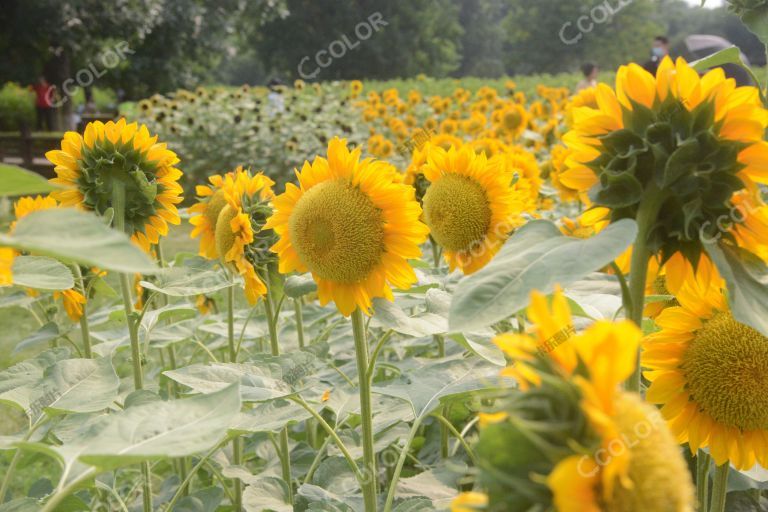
(366, 412)
(435, 252)
(237, 448)
(443, 430)
(118, 205)
(299, 316)
(272, 318)
(720, 488)
(702, 479)
(84, 328)
(641, 255)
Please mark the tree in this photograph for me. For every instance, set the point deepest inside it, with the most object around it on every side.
(344, 39)
(164, 44)
(482, 43)
(553, 36)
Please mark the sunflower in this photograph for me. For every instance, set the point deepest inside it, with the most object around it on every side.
(470, 207)
(512, 120)
(469, 502)
(238, 224)
(550, 331)
(558, 156)
(72, 299)
(678, 146)
(351, 225)
(205, 213)
(597, 448)
(6, 266)
(90, 168)
(709, 372)
(524, 170)
(584, 98)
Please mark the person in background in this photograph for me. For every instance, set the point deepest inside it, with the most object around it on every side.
(44, 104)
(589, 70)
(275, 96)
(659, 50)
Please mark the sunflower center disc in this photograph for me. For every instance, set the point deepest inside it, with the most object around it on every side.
(214, 206)
(457, 212)
(225, 238)
(512, 120)
(337, 232)
(657, 469)
(727, 372)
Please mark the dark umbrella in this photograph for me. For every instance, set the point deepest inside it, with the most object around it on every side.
(699, 46)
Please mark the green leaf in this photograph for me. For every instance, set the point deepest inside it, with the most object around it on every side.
(389, 315)
(81, 385)
(196, 277)
(75, 236)
(537, 257)
(68, 386)
(21, 505)
(438, 484)
(425, 388)
(756, 20)
(15, 181)
(154, 430)
(480, 345)
(747, 279)
(204, 500)
(298, 286)
(266, 378)
(732, 55)
(272, 416)
(41, 337)
(30, 371)
(41, 273)
(266, 493)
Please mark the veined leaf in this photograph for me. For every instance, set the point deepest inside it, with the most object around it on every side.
(41, 273)
(537, 257)
(74, 236)
(152, 430)
(747, 279)
(15, 181)
(196, 276)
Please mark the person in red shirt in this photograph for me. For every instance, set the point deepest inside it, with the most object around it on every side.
(44, 104)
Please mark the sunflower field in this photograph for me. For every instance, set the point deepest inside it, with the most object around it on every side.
(360, 297)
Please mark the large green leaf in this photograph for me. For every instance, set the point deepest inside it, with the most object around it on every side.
(266, 493)
(197, 276)
(150, 430)
(438, 484)
(257, 383)
(74, 236)
(30, 371)
(15, 181)
(265, 378)
(204, 500)
(40, 338)
(81, 385)
(747, 279)
(70, 385)
(297, 286)
(537, 257)
(757, 23)
(426, 387)
(41, 273)
(391, 316)
(270, 416)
